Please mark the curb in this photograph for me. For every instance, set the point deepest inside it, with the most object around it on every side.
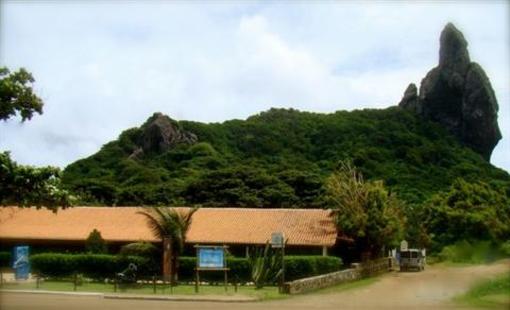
(43, 292)
(138, 297)
(181, 298)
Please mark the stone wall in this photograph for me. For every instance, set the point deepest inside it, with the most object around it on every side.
(359, 271)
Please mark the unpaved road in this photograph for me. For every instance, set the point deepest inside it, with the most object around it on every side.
(431, 289)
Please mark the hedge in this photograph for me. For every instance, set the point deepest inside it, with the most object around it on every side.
(99, 266)
(296, 267)
(95, 266)
(5, 259)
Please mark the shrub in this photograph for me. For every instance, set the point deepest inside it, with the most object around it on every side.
(142, 249)
(5, 259)
(95, 243)
(504, 248)
(296, 267)
(474, 252)
(101, 266)
(94, 266)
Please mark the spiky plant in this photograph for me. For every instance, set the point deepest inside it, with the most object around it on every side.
(265, 265)
(173, 224)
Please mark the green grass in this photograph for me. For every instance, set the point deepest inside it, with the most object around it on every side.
(265, 293)
(493, 294)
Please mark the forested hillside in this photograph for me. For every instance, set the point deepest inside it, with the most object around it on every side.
(278, 158)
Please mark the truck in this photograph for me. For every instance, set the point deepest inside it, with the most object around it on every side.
(412, 259)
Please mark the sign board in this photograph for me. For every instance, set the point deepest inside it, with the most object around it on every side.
(21, 263)
(403, 245)
(211, 257)
(277, 240)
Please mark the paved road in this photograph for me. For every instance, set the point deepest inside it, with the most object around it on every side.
(431, 289)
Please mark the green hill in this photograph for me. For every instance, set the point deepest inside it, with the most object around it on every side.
(278, 158)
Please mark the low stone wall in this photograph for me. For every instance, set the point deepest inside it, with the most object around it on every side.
(359, 271)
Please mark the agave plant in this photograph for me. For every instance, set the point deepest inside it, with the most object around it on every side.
(266, 265)
(173, 224)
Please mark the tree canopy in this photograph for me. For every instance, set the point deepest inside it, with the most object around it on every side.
(17, 96)
(26, 185)
(365, 211)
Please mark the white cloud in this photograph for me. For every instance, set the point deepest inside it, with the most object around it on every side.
(104, 67)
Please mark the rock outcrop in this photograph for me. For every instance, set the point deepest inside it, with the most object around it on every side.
(159, 134)
(458, 95)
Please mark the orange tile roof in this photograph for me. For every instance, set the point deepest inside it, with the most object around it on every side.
(307, 227)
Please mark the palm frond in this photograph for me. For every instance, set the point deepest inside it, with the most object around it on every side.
(169, 222)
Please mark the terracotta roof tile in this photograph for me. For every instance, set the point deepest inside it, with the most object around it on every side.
(308, 227)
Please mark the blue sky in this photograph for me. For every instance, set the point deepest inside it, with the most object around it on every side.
(104, 66)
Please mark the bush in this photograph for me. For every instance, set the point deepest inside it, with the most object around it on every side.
(504, 248)
(475, 252)
(94, 266)
(102, 266)
(95, 243)
(296, 267)
(142, 249)
(5, 259)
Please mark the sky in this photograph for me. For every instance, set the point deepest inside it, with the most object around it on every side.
(105, 66)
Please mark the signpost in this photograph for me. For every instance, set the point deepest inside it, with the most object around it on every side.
(21, 263)
(403, 246)
(210, 258)
(278, 242)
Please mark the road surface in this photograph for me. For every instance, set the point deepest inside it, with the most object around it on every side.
(431, 289)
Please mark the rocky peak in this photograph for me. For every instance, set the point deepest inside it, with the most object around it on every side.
(458, 95)
(161, 133)
(453, 52)
(410, 100)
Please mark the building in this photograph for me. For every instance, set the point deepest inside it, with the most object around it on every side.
(308, 231)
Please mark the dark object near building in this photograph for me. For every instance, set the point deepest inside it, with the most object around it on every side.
(458, 95)
(128, 275)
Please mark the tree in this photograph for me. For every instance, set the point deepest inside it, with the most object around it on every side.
(17, 96)
(26, 185)
(171, 224)
(468, 211)
(95, 243)
(365, 211)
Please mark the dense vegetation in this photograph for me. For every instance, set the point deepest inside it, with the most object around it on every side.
(284, 157)
(281, 158)
(101, 266)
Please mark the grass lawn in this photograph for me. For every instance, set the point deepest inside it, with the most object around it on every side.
(266, 293)
(269, 292)
(493, 294)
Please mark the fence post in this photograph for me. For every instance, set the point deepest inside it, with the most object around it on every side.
(154, 284)
(37, 281)
(74, 281)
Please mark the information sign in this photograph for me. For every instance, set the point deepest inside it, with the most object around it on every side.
(211, 257)
(403, 245)
(21, 263)
(277, 240)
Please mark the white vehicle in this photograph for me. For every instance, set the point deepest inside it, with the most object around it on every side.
(412, 259)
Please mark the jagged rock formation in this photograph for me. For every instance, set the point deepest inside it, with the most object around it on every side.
(458, 94)
(159, 134)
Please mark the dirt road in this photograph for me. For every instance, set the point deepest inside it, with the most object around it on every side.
(431, 289)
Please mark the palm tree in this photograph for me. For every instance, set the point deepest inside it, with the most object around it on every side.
(171, 226)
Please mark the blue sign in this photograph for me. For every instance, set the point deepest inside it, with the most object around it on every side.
(211, 258)
(21, 263)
